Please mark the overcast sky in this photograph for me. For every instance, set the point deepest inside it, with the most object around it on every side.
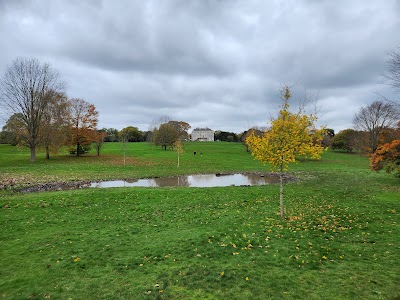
(211, 63)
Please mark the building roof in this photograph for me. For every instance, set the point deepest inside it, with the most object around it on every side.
(202, 129)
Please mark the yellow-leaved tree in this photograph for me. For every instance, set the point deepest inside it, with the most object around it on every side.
(291, 135)
(179, 149)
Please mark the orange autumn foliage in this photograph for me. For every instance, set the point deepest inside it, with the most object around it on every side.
(83, 123)
(387, 155)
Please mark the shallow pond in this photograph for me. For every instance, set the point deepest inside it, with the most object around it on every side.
(204, 180)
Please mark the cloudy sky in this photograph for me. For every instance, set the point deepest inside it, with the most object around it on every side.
(215, 63)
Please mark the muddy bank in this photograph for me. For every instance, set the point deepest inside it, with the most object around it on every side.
(55, 186)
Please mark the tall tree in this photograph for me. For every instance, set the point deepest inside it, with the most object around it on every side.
(112, 134)
(225, 136)
(23, 90)
(373, 119)
(346, 140)
(166, 136)
(291, 135)
(247, 133)
(14, 131)
(83, 123)
(54, 130)
(132, 134)
(182, 128)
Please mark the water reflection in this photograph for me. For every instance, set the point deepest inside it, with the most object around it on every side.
(205, 180)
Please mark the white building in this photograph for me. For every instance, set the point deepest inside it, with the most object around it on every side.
(203, 135)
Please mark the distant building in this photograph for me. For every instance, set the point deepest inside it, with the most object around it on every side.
(202, 135)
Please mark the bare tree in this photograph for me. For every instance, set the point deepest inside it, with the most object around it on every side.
(393, 69)
(374, 118)
(156, 123)
(23, 90)
(124, 136)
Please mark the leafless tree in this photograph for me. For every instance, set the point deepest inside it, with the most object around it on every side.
(23, 90)
(393, 69)
(374, 118)
(156, 122)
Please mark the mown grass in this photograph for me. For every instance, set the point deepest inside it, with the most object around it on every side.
(143, 160)
(339, 241)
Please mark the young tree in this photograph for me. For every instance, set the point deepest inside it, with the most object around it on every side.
(291, 135)
(373, 119)
(178, 146)
(124, 137)
(99, 138)
(83, 123)
(23, 90)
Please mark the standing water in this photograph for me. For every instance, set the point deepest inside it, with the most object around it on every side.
(204, 180)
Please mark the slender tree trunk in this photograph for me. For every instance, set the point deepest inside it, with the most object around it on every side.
(124, 153)
(77, 149)
(33, 153)
(47, 152)
(281, 193)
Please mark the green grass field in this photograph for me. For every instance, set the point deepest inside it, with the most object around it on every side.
(340, 239)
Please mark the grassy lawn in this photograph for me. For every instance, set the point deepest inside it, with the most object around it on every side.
(143, 160)
(339, 241)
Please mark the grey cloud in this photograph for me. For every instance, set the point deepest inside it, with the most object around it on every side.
(211, 63)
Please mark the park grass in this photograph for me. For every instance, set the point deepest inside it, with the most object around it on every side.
(143, 160)
(339, 240)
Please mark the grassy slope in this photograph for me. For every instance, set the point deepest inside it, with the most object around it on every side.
(339, 242)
